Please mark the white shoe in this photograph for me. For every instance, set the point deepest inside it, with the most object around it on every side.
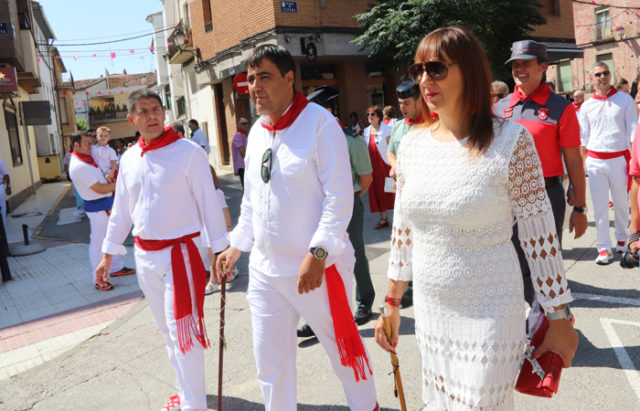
(211, 288)
(79, 213)
(621, 247)
(604, 257)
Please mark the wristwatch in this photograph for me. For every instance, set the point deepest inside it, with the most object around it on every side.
(563, 313)
(581, 210)
(319, 253)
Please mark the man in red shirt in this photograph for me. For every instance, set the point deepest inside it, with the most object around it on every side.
(552, 121)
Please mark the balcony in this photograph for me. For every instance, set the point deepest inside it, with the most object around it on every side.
(98, 116)
(180, 50)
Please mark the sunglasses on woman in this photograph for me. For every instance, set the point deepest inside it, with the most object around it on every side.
(437, 70)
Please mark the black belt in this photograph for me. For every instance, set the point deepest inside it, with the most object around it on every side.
(552, 181)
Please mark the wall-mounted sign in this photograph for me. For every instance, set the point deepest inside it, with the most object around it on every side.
(36, 113)
(240, 84)
(8, 80)
(4, 28)
(289, 6)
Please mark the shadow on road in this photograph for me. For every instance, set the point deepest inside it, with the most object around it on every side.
(234, 403)
(588, 355)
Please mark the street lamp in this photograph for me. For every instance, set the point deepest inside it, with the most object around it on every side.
(180, 38)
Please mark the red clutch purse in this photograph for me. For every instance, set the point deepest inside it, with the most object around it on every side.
(540, 376)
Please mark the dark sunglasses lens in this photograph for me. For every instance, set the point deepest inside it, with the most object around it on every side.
(604, 73)
(415, 72)
(436, 70)
(265, 170)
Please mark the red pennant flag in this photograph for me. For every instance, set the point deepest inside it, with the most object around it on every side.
(109, 91)
(169, 44)
(75, 57)
(94, 55)
(113, 55)
(77, 102)
(58, 57)
(99, 92)
(64, 92)
(39, 59)
(121, 91)
(132, 51)
(151, 48)
(86, 92)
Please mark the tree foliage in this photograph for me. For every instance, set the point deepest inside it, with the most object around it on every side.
(393, 28)
(81, 123)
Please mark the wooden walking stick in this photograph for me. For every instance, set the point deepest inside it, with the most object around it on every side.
(398, 390)
(223, 344)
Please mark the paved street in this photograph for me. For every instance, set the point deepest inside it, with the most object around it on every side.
(65, 346)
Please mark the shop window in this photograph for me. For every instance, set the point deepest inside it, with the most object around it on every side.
(603, 24)
(565, 80)
(317, 72)
(11, 121)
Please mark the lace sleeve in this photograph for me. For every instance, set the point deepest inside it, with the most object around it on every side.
(401, 233)
(536, 226)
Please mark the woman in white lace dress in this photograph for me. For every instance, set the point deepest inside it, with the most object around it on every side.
(460, 180)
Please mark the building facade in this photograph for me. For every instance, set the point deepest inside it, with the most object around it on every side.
(607, 32)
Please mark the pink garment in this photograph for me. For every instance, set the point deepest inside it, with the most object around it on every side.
(634, 164)
(239, 140)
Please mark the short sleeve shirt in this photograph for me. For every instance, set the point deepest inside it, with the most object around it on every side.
(360, 161)
(551, 119)
(400, 128)
(239, 140)
(104, 155)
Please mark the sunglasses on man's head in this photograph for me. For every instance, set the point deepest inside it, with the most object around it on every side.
(602, 73)
(437, 70)
(265, 170)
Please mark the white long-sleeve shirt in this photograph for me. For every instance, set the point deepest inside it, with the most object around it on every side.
(308, 201)
(200, 138)
(84, 176)
(381, 139)
(165, 194)
(609, 125)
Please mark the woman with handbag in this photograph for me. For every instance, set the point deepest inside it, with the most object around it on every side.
(377, 136)
(461, 178)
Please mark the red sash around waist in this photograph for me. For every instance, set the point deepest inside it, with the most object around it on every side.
(188, 325)
(600, 155)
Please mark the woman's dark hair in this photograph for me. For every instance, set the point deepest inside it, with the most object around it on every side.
(458, 45)
(377, 110)
(278, 55)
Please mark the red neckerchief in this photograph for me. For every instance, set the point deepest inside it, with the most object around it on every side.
(342, 127)
(539, 95)
(169, 136)
(577, 106)
(85, 158)
(190, 325)
(299, 103)
(350, 348)
(417, 120)
(386, 121)
(611, 92)
(242, 132)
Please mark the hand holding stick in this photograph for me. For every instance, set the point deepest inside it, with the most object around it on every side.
(399, 391)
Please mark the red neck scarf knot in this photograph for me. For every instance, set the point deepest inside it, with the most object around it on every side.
(299, 103)
(417, 120)
(169, 136)
(85, 158)
(611, 92)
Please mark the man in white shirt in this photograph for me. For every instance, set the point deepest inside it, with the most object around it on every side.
(97, 194)
(607, 124)
(4, 179)
(198, 136)
(165, 191)
(296, 206)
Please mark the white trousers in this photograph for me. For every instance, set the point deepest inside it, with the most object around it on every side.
(276, 307)
(156, 282)
(99, 221)
(609, 176)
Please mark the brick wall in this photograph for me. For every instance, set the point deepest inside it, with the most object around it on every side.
(559, 24)
(625, 54)
(334, 13)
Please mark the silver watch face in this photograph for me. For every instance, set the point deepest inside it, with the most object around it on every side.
(320, 253)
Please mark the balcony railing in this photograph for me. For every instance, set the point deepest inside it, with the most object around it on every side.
(102, 116)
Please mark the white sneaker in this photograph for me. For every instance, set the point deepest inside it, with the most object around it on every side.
(621, 247)
(79, 213)
(604, 257)
(211, 288)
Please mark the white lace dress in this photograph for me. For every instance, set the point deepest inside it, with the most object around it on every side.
(451, 236)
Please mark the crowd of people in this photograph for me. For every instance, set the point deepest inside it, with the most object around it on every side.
(471, 171)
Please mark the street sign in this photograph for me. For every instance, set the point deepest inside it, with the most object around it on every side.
(289, 6)
(8, 80)
(240, 84)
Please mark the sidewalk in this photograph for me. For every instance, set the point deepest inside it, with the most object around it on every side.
(121, 364)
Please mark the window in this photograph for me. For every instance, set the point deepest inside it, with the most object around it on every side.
(63, 110)
(608, 60)
(12, 130)
(549, 7)
(206, 14)
(603, 24)
(167, 97)
(317, 72)
(565, 81)
(181, 106)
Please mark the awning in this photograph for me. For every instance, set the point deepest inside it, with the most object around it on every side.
(557, 51)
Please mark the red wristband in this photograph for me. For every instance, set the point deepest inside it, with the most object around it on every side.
(392, 301)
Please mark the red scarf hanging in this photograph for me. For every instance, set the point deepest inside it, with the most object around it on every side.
(417, 120)
(352, 352)
(169, 136)
(188, 325)
(299, 103)
(611, 92)
(85, 158)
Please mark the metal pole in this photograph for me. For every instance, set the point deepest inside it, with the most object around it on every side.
(25, 234)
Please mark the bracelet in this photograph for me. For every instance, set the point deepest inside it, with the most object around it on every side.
(633, 237)
(392, 301)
